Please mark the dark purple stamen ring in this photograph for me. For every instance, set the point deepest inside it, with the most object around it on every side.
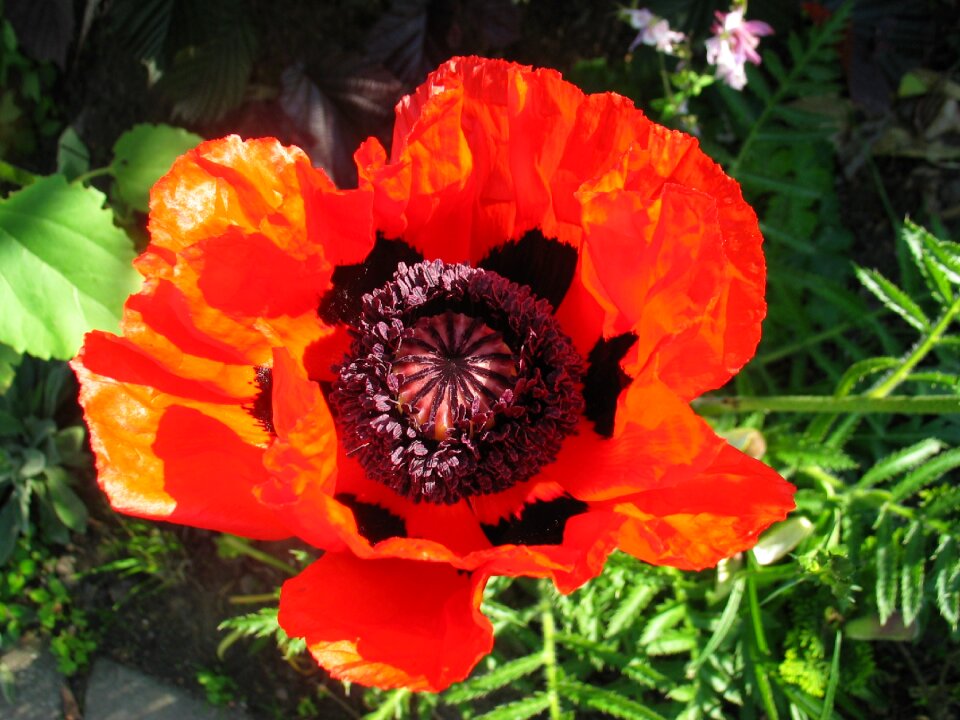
(459, 382)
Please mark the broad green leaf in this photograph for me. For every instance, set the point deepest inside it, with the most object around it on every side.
(68, 507)
(912, 572)
(34, 462)
(9, 359)
(143, 155)
(73, 158)
(894, 298)
(71, 446)
(886, 557)
(65, 268)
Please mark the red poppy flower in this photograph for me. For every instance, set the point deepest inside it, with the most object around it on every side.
(478, 362)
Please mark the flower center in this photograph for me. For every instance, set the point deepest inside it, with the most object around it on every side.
(452, 367)
(458, 383)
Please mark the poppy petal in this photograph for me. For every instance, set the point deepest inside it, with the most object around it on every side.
(388, 623)
(656, 438)
(258, 227)
(698, 521)
(474, 151)
(672, 253)
(171, 448)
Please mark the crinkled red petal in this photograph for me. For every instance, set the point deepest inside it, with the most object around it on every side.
(388, 623)
(701, 519)
(673, 254)
(656, 437)
(172, 448)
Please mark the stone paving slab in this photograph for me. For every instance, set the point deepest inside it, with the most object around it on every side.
(115, 692)
(37, 684)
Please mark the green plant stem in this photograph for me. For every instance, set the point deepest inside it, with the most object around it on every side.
(253, 599)
(919, 351)
(760, 645)
(550, 661)
(16, 176)
(241, 546)
(89, 175)
(863, 404)
(775, 100)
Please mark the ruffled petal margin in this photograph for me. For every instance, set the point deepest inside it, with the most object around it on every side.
(388, 623)
(702, 519)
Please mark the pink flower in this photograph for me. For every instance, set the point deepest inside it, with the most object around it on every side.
(653, 31)
(734, 42)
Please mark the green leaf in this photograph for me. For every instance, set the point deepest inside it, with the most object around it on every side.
(900, 462)
(9, 359)
(886, 557)
(912, 572)
(859, 370)
(635, 668)
(894, 298)
(494, 680)
(34, 462)
(661, 622)
(519, 710)
(630, 609)
(71, 443)
(926, 474)
(143, 155)
(390, 706)
(827, 711)
(73, 158)
(917, 239)
(606, 701)
(778, 185)
(69, 508)
(9, 527)
(10, 425)
(946, 572)
(65, 268)
(727, 618)
(673, 642)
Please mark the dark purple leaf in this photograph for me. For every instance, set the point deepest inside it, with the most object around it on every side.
(44, 27)
(415, 36)
(336, 107)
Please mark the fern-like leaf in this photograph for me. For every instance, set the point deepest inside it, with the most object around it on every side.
(494, 680)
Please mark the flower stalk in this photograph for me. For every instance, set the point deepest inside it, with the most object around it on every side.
(860, 404)
(550, 661)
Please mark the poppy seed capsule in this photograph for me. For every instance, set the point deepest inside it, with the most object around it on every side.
(458, 383)
(452, 366)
